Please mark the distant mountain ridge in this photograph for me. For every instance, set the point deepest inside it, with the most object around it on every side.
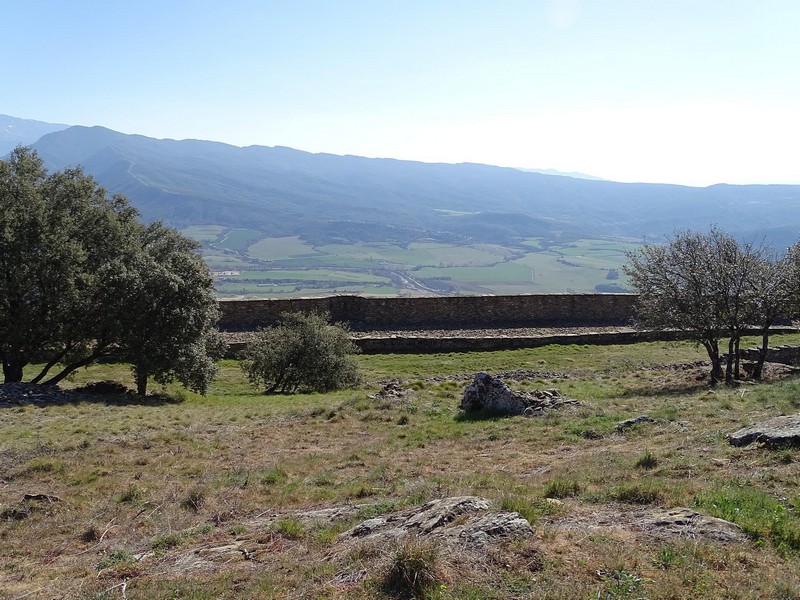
(574, 174)
(15, 132)
(325, 197)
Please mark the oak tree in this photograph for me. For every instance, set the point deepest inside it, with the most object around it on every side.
(82, 279)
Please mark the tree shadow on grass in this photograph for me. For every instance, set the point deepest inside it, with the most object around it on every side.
(700, 381)
(130, 399)
(111, 393)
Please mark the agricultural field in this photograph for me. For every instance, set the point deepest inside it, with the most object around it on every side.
(241, 495)
(417, 268)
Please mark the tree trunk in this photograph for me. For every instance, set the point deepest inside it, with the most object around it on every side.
(278, 380)
(46, 369)
(74, 367)
(141, 382)
(729, 361)
(12, 368)
(762, 354)
(712, 348)
(736, 371)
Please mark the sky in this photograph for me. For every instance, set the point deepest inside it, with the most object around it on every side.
(693, 92)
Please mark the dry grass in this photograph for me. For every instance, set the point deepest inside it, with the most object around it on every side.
(140, 490)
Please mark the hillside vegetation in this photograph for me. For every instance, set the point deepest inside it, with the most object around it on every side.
(108, 495)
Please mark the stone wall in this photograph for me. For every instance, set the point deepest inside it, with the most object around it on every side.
(787, 355)
(409, 344)
(452, 312)
(433, 345)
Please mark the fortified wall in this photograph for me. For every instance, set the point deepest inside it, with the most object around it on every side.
(451, 312)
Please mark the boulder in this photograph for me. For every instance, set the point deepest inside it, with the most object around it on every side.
(490, 394)
(778, 432)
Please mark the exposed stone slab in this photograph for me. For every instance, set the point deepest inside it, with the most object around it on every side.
(628, 423)
(684, 522)
(777, 432)
(466, 520)
(647, 522)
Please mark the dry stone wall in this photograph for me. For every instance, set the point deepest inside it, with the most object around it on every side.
(462, 312)
(787, 355)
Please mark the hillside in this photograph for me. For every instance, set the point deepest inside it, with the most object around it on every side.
(242, 495)
(15, 132)
(323, 197)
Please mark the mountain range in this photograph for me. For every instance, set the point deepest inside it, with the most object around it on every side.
(14, 131)
(323, 197)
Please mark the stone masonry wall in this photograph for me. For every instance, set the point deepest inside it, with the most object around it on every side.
(787, 355)
(461, 312)
(431, 345)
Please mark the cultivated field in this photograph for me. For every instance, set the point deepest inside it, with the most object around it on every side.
(250, 265)
(182, 496)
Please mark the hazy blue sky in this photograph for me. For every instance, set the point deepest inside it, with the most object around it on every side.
(684, 91)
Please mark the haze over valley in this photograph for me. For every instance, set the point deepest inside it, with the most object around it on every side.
(278, 222)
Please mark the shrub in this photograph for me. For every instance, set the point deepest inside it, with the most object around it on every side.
(647, 460)
(529, 508)
(289, 528)
(194, 499)
(638, 493)
(562, 488)
(115, 558)
(273, 476)
(304, 352)
(413, 571)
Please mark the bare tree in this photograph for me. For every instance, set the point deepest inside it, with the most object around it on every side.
(712, 287)
(679, 288)
(771, 292)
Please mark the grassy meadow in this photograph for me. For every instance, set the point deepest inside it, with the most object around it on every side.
(132, 491)
(249, 265)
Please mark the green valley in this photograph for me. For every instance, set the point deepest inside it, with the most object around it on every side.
(247, 264)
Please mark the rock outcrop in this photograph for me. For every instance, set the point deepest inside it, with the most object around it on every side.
(464, 520)
(489, 394)
(778, 432)
(653, 523)
(684, 522)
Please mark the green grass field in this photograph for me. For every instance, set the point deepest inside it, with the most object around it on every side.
(238, 239)
(141, 490)
(384, 268)
(203, 233)
(310, 275)
(280, 248)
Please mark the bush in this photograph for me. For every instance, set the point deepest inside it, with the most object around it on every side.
(562, 488)
(305, 352)
(413, 571)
